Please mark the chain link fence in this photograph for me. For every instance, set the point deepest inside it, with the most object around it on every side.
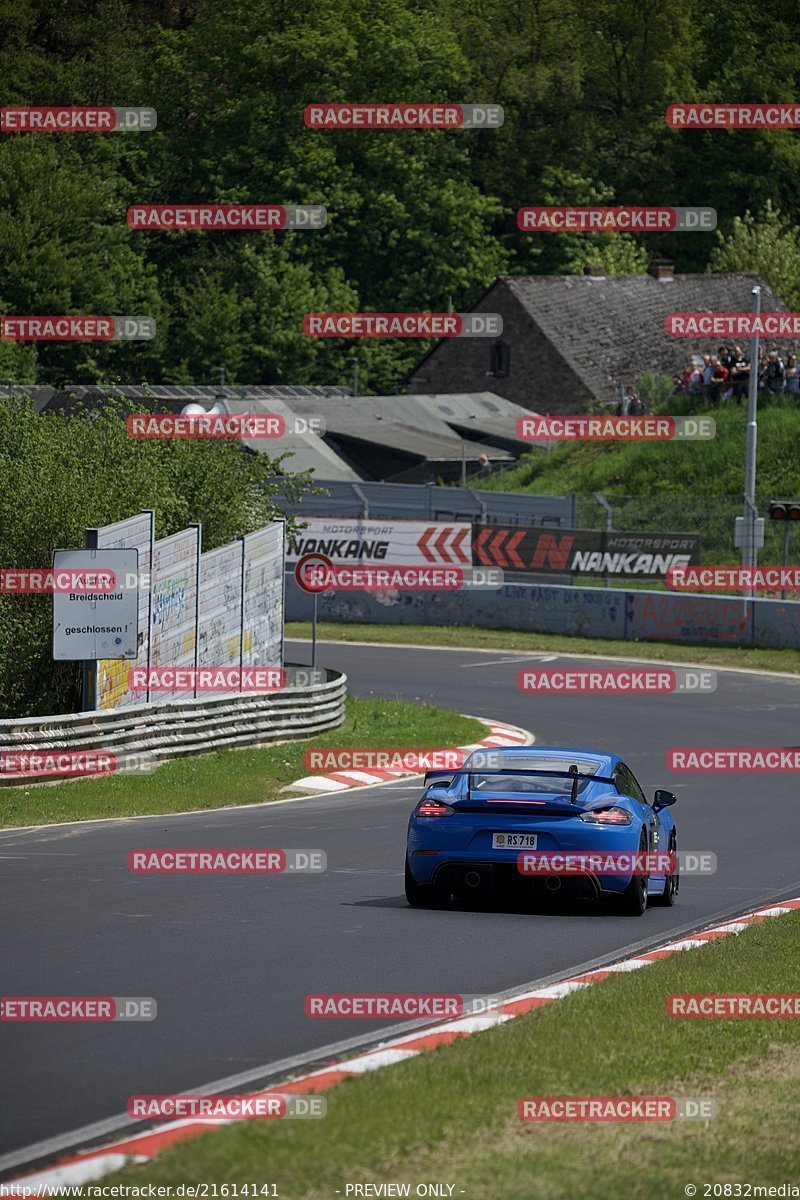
(711, 517)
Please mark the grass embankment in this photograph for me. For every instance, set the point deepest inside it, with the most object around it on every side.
(233, 777)
(682, 469)
(679, 487)
(459, 636)
(450, 1115)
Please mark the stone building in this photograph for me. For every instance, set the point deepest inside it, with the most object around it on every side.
(568, 339)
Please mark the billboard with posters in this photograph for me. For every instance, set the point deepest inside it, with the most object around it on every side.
(262, 609)
(113, 675)
(221, 608)
(173, 615)
(410, 543)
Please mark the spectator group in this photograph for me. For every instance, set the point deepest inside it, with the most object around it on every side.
(725, 375)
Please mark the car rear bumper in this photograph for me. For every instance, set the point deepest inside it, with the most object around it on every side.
(457, 873)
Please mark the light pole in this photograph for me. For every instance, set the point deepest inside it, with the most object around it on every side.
(749, 524)
(220, 382)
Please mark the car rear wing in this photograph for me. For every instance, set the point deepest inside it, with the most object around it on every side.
(447, 778)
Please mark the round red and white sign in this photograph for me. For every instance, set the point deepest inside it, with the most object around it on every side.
(311, 571)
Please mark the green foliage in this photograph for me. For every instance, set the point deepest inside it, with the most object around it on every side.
(416, 219)
(676, 468)
(768, 245)
(681, 487)
(657, 392)
(60, 474)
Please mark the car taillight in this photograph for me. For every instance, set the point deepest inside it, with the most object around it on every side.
(433, 808)
(608, 816)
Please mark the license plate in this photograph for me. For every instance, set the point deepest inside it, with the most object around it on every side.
(514, 841)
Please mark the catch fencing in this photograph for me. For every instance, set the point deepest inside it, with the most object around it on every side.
(701, 525)
(429, 502)
(711, 517)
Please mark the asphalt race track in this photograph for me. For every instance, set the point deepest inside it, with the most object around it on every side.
(230, 959)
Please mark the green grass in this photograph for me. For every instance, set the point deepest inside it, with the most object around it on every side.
(450, 1115)
(509, 639)
(680, 487)
(670, 468)
(231, 777)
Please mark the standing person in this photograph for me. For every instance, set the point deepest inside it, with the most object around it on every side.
(792, 374)
(740, 374)
(634, 402)
(728, 361)
(718, 380)
(695, 387)
(775, 374)
(708, 371)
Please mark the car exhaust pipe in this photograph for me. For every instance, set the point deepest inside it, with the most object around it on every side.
(472, 879)
(552, 883)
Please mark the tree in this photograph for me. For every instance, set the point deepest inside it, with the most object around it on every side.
(63, 472)
(766, 244)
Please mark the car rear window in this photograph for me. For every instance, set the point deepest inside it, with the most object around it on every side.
(542, 785)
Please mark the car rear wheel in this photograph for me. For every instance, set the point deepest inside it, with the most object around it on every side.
(672, 882)
(634, 898)
(421, 895)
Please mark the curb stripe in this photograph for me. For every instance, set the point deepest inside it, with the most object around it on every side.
(93, 1164)
(336, 781)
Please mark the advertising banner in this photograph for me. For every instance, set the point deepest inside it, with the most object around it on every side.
(583, 551)
(410, 543)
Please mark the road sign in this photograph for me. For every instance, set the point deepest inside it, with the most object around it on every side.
(101, 624)
(745, 530)
(301, 572)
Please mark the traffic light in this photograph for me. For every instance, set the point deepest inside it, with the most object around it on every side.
(785, 510)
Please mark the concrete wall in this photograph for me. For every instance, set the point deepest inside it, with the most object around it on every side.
(579, 612)
(539, 379)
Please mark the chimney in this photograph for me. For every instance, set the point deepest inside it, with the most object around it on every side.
(661, 268)
(596, 271)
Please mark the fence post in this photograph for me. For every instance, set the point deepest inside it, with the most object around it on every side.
(364, 502)
(600, 498)
(241, 609)
(283, 593)
(199, 527)
(151, 573)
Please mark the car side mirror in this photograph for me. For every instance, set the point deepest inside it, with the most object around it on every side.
(663, 799)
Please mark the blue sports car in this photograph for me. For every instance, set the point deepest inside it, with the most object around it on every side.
(544, 818)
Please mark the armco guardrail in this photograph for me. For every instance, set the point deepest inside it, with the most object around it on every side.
(142, 736)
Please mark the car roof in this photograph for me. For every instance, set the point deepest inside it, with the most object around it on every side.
(605, 761)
